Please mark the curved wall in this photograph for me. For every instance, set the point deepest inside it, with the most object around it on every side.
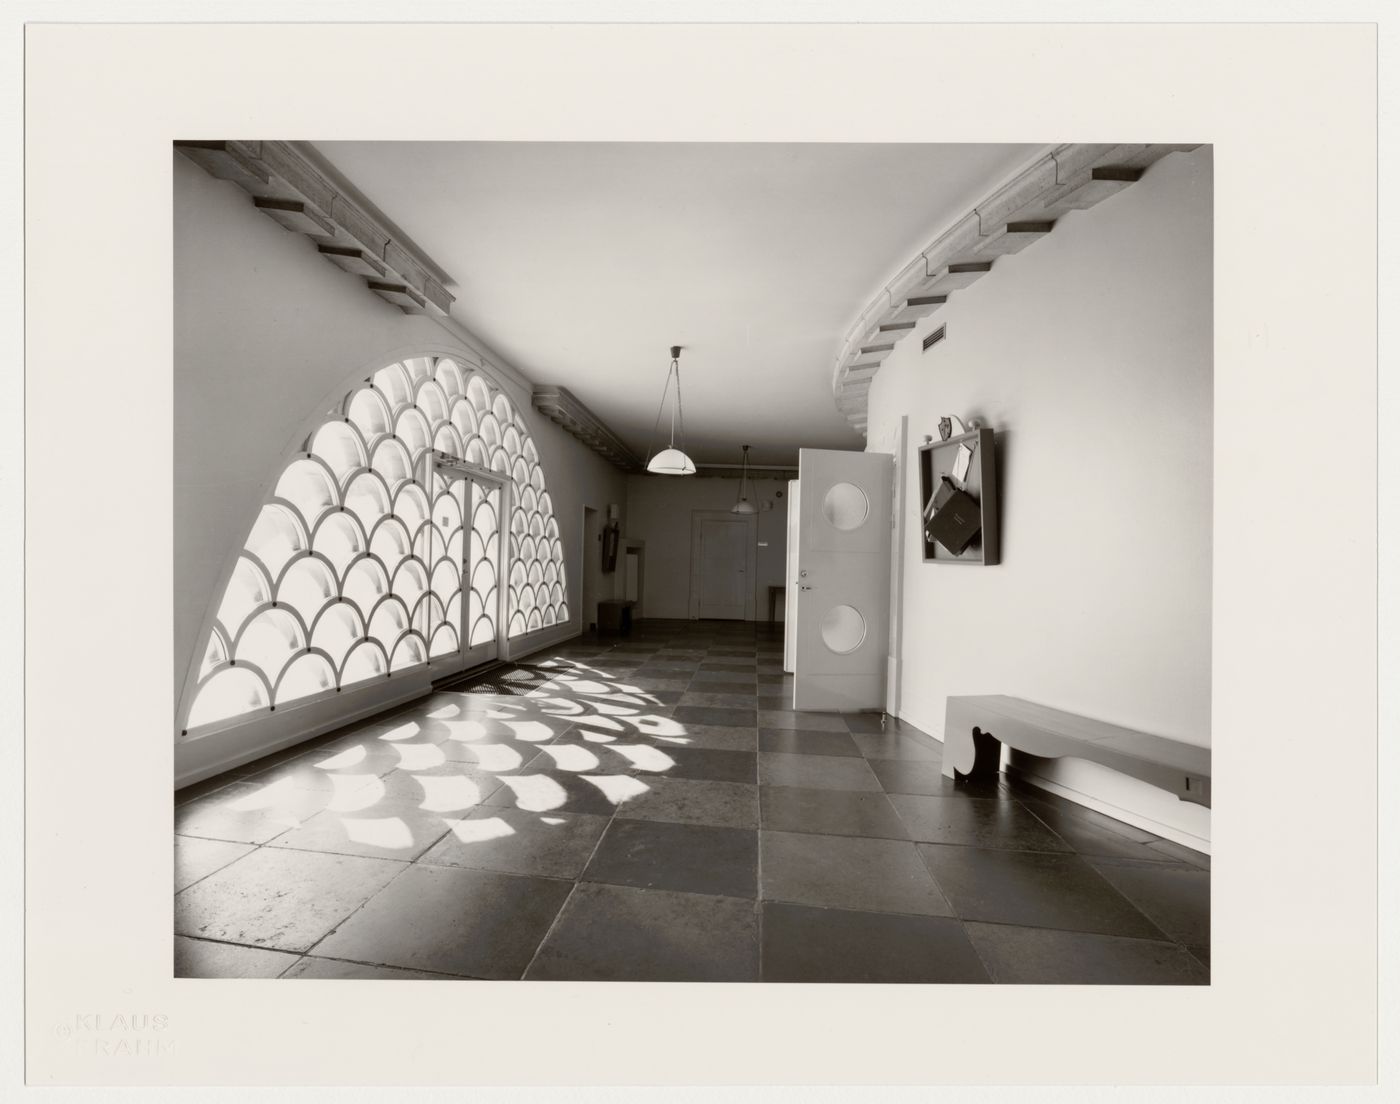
(1090, 354)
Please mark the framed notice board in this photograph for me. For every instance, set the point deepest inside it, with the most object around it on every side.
(969, 461)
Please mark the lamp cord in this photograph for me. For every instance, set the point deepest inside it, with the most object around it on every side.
(677, 414)
(675, 370)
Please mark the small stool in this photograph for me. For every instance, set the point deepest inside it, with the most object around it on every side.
(615, 616)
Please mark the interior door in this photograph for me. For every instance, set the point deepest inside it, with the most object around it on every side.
(439, 544)
(462, 544)
(483, 624)
(843, 586)
(725, 586)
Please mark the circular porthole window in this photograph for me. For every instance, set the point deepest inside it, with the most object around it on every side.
(846, 507)
(843, 629)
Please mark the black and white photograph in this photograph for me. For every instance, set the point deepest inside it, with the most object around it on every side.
(750, 553)
(655, 654)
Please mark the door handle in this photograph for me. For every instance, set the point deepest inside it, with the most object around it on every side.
(801, 587)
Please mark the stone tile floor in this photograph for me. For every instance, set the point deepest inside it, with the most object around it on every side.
(656, 811)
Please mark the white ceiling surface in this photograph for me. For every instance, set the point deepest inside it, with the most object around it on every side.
(582, 263)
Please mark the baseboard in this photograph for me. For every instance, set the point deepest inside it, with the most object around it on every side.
(1115, 795)
(1132, 802)
(922, 724)
(205, 756)
(522, 646)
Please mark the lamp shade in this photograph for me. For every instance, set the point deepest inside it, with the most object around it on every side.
(671, 461)
(743, 506)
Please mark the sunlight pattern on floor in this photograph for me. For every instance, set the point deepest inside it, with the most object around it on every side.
(654, 810)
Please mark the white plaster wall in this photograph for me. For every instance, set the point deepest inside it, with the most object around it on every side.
(659, 512)
(268, 338)
(1090, 354)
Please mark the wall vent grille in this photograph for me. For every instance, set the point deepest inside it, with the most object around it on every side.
(935, 337)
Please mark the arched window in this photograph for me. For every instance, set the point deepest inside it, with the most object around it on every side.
(356, 568)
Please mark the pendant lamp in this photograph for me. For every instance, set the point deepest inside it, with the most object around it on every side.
(671, 461)
(744, 506)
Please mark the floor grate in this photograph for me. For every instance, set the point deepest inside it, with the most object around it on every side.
(506, 678)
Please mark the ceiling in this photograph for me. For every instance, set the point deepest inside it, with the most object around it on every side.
(582, 263)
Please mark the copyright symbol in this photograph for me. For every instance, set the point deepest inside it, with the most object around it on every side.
(64, 1031)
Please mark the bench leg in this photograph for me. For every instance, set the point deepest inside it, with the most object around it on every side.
(974, 754)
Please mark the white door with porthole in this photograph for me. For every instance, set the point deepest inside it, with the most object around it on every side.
(843, 579)
(462, 616)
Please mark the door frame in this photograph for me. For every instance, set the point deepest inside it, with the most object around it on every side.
(628, 547)
(586, 547)
(750, 560)
(793, 538)
(896, 442)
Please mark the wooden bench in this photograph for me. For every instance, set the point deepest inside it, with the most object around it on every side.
(976, 727)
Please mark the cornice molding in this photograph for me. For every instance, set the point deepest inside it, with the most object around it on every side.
(301, 196)
(1015, 215)
(562, 407)
(779, 472)
(293, 192)
(290, 188)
